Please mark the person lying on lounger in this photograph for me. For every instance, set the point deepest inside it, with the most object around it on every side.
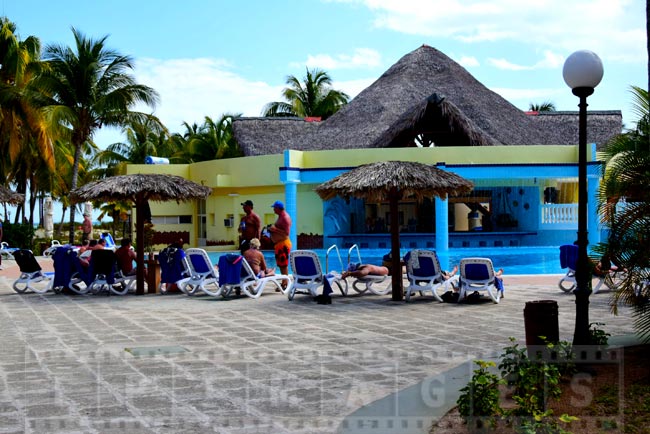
(359, 271)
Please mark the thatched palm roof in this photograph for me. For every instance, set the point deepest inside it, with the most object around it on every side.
(602, 126)
(375, 182)
(391, 181)
(140, 188)
(134, 187)
(424, 92)
(9, 196)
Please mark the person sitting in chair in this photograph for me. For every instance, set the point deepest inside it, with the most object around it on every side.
(256, 260)
(125, 257)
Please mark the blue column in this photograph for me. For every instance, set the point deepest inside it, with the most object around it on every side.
(442, 231)
(593, 221)
(291, 179)
(291, 206)
(593, 185)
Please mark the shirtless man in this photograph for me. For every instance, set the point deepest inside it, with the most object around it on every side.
(280, 236)
(249, 227)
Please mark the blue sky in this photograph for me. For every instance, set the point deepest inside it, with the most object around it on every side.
(210, 57)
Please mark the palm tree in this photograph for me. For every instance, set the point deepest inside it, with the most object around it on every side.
(144, 136)
(546, 106)
(212, 140)
(312, 97)
(624, 204)
(90, 87)
(21, 120)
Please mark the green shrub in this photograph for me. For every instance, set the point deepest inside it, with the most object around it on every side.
(18, 235)
(598, 336)
(478, 403)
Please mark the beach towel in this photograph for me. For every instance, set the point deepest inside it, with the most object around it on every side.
(230, 268)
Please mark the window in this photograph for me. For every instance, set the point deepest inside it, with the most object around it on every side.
(171, 220)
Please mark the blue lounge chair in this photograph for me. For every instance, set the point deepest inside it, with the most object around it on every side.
(236, 274)
(50, 250)
(424, 274)
(110, 243)
(173, 268)
(569, 260)
(103, 267)
(203, 276)
(30, 273)
(366, 283)
(6, 251)
(308, 275)
(477, 274)
(64, 267)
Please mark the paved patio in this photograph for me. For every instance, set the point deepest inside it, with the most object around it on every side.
(203, 365)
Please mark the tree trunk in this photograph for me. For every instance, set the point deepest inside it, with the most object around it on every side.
(60, 231)
(73, 185)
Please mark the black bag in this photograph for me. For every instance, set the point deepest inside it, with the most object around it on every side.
(450, 297)
(472, 298)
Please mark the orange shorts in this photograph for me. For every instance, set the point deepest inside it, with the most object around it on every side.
(282, 250)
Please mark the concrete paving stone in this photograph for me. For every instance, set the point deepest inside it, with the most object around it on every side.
(177, 382)
(95, 412)
(11, 422)
(226, 383)
(40, 410)
(15, 365)
(185, 427)
(26, 377)
(121, 426)
(57, 425)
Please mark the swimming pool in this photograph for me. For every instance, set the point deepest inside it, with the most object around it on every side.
(513, 260)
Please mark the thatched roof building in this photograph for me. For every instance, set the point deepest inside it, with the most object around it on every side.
(427, 99)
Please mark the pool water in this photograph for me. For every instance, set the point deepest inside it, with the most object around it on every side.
(513, 260)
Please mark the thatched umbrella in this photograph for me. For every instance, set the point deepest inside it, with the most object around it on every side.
(392, 181)
(9, 196)
(139, 189)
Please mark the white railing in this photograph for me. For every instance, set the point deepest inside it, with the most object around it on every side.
(559, 216)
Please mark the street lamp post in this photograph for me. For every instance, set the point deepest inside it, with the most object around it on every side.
(582, 72)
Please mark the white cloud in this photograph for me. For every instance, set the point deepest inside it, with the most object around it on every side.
(361, 57)
(191, 89)
(549, 61)
(505, 64)
(613, 28)
(468, 61)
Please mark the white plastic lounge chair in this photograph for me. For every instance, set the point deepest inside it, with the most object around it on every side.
(103, 269)
(569, 259)
(236, 275)
(6, 251)
(477, 274)
(308, 274)
(366, 283)
(424, 274)
(30, 273)
(174, 268)
(50, 250)
(203, 275)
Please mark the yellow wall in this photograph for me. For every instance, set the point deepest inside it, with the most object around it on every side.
(258, 179)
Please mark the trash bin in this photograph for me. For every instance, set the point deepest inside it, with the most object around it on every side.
(474, 221)
(540, 319)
